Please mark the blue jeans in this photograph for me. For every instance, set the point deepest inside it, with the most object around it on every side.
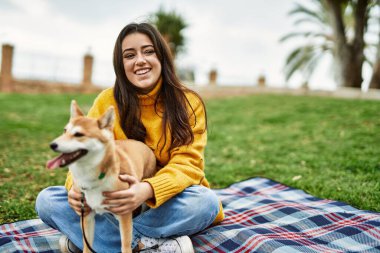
(187, 213)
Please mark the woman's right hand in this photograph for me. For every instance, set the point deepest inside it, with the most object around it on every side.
(74, 197)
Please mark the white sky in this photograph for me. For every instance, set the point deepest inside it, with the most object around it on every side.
(239, 38)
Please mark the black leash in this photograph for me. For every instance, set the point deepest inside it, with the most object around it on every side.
(84, 235)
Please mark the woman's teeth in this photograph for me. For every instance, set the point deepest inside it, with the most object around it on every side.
(142, 71)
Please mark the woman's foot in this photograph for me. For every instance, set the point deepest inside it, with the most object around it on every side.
(66, 246)
(181, 244)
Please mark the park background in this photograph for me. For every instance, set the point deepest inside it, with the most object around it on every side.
(297, 131)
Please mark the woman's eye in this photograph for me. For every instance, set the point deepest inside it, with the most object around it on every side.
(128, 56)
(78, 135)
(149, 52)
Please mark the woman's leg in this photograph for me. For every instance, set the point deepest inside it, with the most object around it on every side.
(185, 214)
(188, 213)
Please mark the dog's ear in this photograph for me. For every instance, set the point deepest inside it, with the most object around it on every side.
(75, 110)
(107, 119)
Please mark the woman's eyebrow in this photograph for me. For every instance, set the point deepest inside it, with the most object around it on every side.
(145, 46)
(132, 49)
(128, 49)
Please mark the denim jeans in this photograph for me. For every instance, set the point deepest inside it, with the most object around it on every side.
(187, 213)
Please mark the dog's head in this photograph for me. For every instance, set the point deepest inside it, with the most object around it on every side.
(81, 136)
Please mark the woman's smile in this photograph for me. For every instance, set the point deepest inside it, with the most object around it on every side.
(142, 71)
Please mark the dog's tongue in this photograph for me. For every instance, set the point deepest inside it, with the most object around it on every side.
(55, 163)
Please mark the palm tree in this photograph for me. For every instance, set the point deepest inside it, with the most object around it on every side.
(305, 58)
(171, 25)
(342, 25)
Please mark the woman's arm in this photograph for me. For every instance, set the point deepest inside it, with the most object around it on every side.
(186, 163)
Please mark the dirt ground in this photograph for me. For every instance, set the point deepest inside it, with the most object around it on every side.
(208, 92)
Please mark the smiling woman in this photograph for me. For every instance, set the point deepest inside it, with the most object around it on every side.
(154, 107)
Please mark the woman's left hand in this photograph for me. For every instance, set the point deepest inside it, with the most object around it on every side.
(125, 201)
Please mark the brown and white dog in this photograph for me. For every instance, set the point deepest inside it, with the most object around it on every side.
(95, 160)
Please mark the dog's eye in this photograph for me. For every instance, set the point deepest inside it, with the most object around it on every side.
(64, 130)
(78, 135)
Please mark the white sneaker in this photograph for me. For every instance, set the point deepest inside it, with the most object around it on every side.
(66, 246)
(181, 244)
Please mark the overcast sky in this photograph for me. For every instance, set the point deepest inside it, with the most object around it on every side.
(239, 38)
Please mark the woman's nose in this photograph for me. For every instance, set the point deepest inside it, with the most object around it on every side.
(140, 60)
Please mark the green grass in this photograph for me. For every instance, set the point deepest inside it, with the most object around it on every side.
(331, 145)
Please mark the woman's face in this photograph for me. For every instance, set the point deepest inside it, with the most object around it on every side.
(141, 65)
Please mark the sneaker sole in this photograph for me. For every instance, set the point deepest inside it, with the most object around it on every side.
(63, 244)
(185, 244)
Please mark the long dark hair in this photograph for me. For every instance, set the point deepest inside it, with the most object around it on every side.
(171, 95)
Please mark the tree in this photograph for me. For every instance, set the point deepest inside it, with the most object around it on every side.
(305, 58)
(349, 54)
(342, 25)
(170, 24)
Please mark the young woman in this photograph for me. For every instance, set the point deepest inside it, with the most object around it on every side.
(155, 108)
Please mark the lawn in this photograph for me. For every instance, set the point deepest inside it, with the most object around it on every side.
(325, 146)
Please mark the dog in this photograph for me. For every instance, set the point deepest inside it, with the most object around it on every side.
(95, 160)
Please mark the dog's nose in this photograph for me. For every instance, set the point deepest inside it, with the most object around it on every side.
(53, 146)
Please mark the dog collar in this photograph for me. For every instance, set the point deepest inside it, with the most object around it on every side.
(102, 175)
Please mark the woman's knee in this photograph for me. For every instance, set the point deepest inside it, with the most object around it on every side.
(189, 212)
(48, 199)
(199, 210)
(203, 200)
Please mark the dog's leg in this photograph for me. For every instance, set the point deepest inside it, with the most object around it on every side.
(89, 229)
(125, 225)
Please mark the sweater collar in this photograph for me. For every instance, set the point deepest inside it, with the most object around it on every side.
(150, 98)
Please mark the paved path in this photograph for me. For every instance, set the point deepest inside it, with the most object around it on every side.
(231, 91)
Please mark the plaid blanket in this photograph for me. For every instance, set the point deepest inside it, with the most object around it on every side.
(261, 216)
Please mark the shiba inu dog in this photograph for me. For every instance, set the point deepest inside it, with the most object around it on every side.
(95, 160)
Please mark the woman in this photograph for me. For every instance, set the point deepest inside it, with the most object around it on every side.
(155, 108)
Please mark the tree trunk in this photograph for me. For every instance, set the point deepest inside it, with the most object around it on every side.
(351, 67)
(349, 55)
(375, 79)
(361, 18)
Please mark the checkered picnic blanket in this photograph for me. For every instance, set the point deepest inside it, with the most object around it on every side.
(28, 236)
(261, 216)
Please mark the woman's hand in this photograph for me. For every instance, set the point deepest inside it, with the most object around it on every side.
(74, 197)
(125, 201)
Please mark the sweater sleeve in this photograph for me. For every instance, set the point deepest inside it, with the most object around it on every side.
(101, 103)
(186, 163)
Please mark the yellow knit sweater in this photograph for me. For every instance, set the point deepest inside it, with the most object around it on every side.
(182, 166)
